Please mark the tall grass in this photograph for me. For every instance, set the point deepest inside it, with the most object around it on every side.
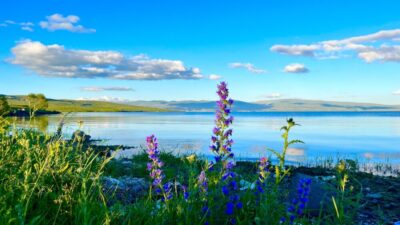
(46, 180)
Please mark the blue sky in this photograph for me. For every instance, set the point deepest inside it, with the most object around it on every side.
(175, 50)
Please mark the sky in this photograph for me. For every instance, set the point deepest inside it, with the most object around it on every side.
(179, 50)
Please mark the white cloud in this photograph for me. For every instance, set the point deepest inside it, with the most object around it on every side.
(371, 47)
(99, 89)
(248, 66)
(296, 68)
(57, 61)
(10, 22)
(214, 77)
(275, 95)
(297, 50)
(103, 98)
(59, 22)
(26, 26)
(397, 92)
(383, 53)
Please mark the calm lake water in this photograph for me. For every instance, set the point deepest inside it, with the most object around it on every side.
(371, 137)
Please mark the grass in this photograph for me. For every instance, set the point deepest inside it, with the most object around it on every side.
(46, 180)
(84, 106)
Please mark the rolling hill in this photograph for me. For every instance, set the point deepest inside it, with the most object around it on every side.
(85, 106)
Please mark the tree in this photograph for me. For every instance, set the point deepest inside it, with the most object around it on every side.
(4, 106)
(36, 102)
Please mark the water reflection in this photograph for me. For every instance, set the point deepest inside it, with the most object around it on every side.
(41, 122)
(324, 136)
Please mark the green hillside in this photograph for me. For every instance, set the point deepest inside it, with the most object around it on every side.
(84, 106)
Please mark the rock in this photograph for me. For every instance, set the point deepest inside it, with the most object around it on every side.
(125, 189)
(375, 201)
(392, 189)
(376, 196)
(80, 136)
(127, 163)
(320, 195)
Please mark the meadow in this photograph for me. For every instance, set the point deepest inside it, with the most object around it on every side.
(47, 179)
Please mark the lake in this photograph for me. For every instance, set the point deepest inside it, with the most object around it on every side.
(366, 136)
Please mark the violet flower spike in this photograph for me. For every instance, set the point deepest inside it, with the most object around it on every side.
(154, 166)
(221, 141)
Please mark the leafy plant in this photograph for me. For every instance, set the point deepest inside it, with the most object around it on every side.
(280, 170)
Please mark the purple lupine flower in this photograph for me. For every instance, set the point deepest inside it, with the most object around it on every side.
(202, 181)
(263, 169)
(229, 208)
(296, 209)
(168, 191)
(155, 165)
(221, 140)
(263, 172)
(221, 146)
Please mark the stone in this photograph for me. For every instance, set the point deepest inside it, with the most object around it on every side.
(392, 189)
(124, 189)
(374, 196)
(80, 136)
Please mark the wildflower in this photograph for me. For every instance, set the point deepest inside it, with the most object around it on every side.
(263, 169)
(155, 165)
(167, 188)
(191, 158)
(221, 141)
(296, 209)
(221, 146)
(185, 192)
(229, 208)
(202, 181)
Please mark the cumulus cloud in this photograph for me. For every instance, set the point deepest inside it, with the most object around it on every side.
(383, 53)
(59, 22)
(57, 61)
(103, 98)
(214, 77)
(378, 46)
(296, 68)
(248, 66)
(99, 89)
(397, 92)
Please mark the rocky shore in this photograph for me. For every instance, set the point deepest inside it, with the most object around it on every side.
(378, 196)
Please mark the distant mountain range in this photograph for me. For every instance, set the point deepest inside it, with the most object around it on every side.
(283, 105)
(292, 105)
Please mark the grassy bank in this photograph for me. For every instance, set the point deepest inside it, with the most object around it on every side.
(84, 106)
